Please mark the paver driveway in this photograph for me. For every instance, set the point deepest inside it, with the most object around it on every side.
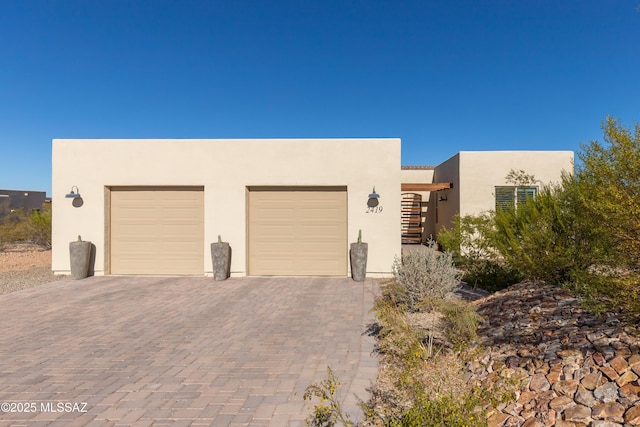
(181, 351)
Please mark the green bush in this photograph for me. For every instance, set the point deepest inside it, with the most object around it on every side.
(20, 227)
(424, 274)
(472, 241)
(461, 321)
(548, 237)
(469, 238)
(444, 411)
(608, 179)
(490, 275)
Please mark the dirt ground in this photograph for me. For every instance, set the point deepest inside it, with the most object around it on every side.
(23, 257)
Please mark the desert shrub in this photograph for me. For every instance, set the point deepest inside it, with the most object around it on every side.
(424, 274)
(490, 275)
(396, 337)
(471, 239)
(328, 412)
(429, 388)
(461, 321)
(548, 237)
(609, 182)
(444, 411)
(19, 226)
(12, 228)
(468, 238)
(40, 228)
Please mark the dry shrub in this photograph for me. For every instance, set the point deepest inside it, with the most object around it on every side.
(417, 386)
(424, 274)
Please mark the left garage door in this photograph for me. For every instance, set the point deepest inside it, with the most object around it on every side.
(157, 230)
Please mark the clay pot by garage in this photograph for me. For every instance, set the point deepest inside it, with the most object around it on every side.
(79, 256)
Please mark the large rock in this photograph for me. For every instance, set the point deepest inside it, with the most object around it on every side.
(584, 397)
(561, 403)
(592, 380)
(619, 364)
(607, 392)
(626, 378)
(611, 411)
(497, 420)
(632, 416)
(578, 414)
(566, 387)
(539, 383)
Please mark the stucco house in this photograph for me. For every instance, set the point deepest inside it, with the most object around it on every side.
(472, 182)
(287, 206)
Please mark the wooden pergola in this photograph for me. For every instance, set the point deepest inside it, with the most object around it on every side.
(436, 186)
(413, 209)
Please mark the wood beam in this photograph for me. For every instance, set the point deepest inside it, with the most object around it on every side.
(436, 186)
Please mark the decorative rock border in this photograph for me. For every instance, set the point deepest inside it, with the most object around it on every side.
(572, 369)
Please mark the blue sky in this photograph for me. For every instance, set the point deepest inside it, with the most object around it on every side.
(444, 76)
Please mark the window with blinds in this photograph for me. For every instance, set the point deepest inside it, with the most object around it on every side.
(512, 197)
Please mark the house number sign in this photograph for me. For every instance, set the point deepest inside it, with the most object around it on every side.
(373, 204)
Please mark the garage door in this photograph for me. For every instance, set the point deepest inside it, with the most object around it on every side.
(157, 230)
(297, 231)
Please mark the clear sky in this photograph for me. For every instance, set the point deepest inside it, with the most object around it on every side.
(444, 76)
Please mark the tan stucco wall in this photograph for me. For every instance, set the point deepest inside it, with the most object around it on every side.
(475, 174)
(447, 171)
(480, 172)
(421, 176)
(225, 168)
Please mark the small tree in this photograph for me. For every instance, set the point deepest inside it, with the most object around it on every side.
(609, 183)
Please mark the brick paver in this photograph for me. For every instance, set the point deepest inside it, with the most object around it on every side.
(181, 351)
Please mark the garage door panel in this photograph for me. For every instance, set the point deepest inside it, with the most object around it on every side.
(157, 231)
(297, 232)
(270, 228)
(319, 264)
(321, 248)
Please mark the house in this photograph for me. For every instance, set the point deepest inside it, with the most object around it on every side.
(471, 182)
(288, 207)
(28, 201)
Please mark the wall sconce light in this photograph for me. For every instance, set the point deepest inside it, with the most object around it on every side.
(373, 199)
(442, 198)
(73, 194)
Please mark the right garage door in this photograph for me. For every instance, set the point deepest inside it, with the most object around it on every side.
(297, 231)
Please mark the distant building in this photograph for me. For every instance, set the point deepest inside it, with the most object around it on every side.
(11, 200)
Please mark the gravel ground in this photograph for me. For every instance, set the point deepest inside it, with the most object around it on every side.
(11, 281)
(25, 266)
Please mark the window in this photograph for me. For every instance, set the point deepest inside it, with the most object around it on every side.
(511, 197)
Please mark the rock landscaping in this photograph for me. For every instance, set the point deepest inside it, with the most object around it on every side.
(570, 368)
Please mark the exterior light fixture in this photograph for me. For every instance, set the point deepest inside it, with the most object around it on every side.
(73, 194)
(373, 199)
(442, 198)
